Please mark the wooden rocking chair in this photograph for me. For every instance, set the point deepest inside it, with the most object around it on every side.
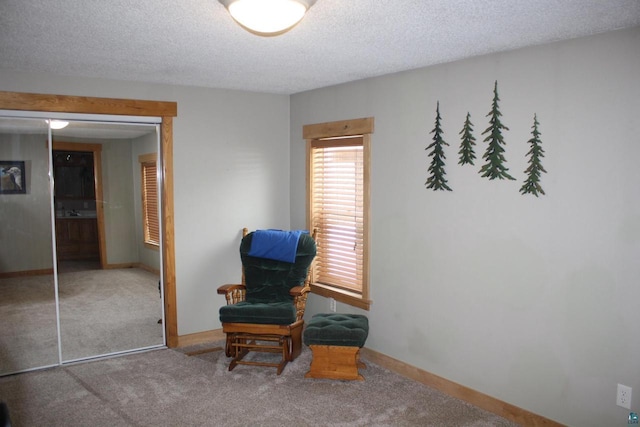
(265, 312)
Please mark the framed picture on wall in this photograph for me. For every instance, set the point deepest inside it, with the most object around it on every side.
(12, 177)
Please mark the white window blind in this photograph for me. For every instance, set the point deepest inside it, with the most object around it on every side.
(337, 203)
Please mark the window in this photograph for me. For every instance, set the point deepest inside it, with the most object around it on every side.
(338, 208)
(149, 180)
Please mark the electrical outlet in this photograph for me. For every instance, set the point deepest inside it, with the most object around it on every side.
(332, 305)
(624, 396)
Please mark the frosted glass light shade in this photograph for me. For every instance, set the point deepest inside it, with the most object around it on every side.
(267, 17)
(57, 124)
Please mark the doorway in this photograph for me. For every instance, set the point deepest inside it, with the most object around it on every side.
(77, 225)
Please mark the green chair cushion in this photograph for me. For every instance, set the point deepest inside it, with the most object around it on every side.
(277, 313)
(349, 330)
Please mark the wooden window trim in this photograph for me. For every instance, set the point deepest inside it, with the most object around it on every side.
(313, 134)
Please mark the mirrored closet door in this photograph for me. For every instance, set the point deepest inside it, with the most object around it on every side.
(108, 272)
(102, 268)
(28, 336)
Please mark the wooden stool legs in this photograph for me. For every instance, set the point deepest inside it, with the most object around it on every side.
(335, 362)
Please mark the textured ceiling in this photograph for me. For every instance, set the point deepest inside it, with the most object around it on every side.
(196, 43)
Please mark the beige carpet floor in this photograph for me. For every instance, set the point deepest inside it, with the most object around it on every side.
(168, 388)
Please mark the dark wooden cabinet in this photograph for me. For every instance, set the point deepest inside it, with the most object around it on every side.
(77, 239)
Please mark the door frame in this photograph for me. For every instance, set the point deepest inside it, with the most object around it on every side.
(125, 107)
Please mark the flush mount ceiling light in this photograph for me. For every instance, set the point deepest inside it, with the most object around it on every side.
(267, 17)
(57, 124)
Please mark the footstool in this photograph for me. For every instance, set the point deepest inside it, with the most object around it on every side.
(335, 340)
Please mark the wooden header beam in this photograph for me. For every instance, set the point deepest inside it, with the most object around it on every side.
(83, 104)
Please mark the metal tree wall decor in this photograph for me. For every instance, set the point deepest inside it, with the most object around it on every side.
(494, 155)
(532, 183)
(467, 154)
(437, 181)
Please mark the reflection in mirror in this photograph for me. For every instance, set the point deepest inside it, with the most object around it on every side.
(28, 336)
(108, 279)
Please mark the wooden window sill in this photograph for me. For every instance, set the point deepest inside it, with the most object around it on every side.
(343, 296)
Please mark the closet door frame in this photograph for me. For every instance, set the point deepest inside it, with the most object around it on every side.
(126, 107)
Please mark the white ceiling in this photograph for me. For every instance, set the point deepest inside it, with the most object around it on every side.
(196, 43)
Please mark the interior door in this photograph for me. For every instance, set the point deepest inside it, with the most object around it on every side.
(28, 335)
(110, 302)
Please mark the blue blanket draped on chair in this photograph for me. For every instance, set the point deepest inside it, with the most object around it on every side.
(278, 245)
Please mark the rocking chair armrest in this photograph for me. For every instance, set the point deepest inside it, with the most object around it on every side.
(233, 293)
(300, 294)
(297, 291)
(224, 289)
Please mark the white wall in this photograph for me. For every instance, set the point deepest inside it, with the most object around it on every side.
(119, 212)
(25, 219)
(231, 170)
(534, 301)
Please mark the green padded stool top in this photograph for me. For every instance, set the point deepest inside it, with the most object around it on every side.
(349, 330)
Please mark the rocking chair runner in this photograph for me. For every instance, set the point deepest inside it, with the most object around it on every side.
(265, 312)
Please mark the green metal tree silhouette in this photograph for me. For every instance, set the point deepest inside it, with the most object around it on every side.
(532, 183)
(467, 154)
(437, 181)
(494, 168)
